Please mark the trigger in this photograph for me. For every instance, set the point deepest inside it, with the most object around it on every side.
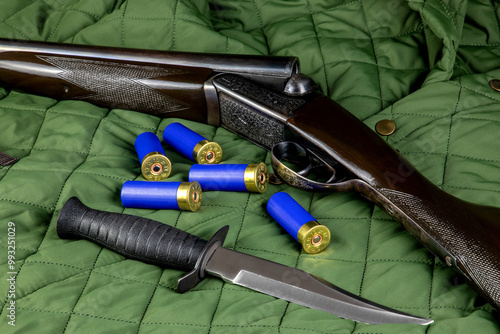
(305, 162)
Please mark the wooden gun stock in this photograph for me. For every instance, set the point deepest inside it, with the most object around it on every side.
(465, 236)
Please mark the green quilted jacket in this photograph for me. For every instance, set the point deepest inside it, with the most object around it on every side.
(425, 64)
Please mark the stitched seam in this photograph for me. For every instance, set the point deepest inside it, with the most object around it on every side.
(122, 18)
(216, 308)
(311, 12)
(57, 201)
(58, 198)
(221, 325)
(374, 54)
(242, 220)
(149, 302)
(57, 25)
(214, 218)
(25, 36)
(453, 155)
(430, 290)
(303, 38)
(74, 267)
(470, 188)
(412, 132)
(361, 95)
(408, 69)
(296, 265)
(366, 261)
(48, 209)
(223, 283)
(94, 16)
(438, 116)
(121, 178)
(67, 151)
(172, 288)
(81, 293)
(474, 90)
(138, 18)
(19, 11)
(245, 208)
(95, 272)
(41, 126)
(479, 44)
(51, 283)
(391, 111)
(131, 18)
(258, 14)
(20, 248)
(325, 75)
(444, 11)
(493, 7)
(77, 313)
(449, 136)
(27, 203)
(174, 25)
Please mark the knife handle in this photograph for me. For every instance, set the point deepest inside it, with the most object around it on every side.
(140, 239)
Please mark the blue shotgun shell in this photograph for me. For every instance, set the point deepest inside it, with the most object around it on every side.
(161, 195)
(192, 145)
(313, 236)
(231, 177)
(155, 166)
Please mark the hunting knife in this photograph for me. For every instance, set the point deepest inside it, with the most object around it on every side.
(157, 243)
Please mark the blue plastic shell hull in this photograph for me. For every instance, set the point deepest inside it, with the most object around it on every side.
(150, 195)
(288, 213)
(182, 139)
(146, 143)
(225, 177)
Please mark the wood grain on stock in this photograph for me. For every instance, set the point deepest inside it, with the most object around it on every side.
(464, 235)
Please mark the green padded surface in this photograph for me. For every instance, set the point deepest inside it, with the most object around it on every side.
(424, 64)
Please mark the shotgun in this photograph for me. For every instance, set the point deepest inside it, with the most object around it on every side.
(315, 144)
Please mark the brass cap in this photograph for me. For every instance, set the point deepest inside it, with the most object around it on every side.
(256, 178)
(207, 152)
(189, 196)
(313, 237)
(495, 84)
(155, 167)
(385, 127)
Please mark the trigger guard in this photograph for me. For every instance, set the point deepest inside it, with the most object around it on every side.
(283, 150)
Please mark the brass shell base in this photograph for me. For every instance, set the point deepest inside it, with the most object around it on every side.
(189, 196)
(256, 178)
(207, 152)
(155, 167)
(313, 237)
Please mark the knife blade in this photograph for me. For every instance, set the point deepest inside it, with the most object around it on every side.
(156, 243)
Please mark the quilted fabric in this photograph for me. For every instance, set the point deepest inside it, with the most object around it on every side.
(424, 64)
